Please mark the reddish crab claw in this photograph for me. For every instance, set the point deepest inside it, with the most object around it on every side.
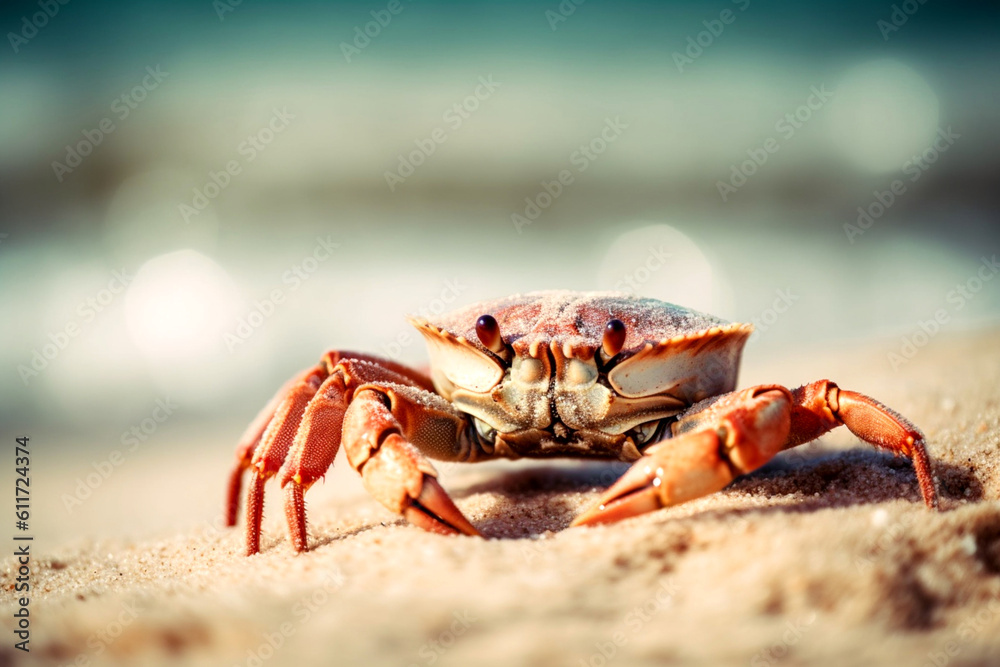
(739, 432)
(660, 479)
(433, 510)
(546, 387)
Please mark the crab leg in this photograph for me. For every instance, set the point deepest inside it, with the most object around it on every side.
(317, 441)
(299, 433)
(250, 440)
(822, 405)
(248, 444)
(320, 429)
(416, 415)
(273, 448)
(382, 422)
(734, 434)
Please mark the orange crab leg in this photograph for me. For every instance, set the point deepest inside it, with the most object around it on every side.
(316, 443)
(734, 434)
(298, 434)
(421, 417)
(249, 442)
(273, 448)
(822, 405)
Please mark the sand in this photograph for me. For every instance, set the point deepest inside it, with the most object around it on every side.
(824, 556)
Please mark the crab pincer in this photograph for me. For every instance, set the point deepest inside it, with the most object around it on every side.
(735, 434)
(394, 471)
(745, 433)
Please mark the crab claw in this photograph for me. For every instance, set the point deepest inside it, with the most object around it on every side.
(399, 477)
(737, 435)
(433, 510)
(672, 472)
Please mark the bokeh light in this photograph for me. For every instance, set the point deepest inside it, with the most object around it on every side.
(646, 210)
(660, 261)
(884, 113)
(178, 309)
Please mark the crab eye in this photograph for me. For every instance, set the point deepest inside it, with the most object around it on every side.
(485, 431)
(645, 433)
(489, 334)
(614, 338)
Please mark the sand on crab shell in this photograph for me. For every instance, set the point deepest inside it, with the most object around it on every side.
(824, 556)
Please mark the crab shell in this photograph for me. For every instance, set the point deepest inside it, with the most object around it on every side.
(552, 392)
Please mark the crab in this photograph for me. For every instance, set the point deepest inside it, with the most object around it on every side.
(601, 375)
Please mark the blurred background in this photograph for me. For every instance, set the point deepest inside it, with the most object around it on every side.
(199, 198)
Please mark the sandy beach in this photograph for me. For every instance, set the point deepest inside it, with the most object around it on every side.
(824, 556)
